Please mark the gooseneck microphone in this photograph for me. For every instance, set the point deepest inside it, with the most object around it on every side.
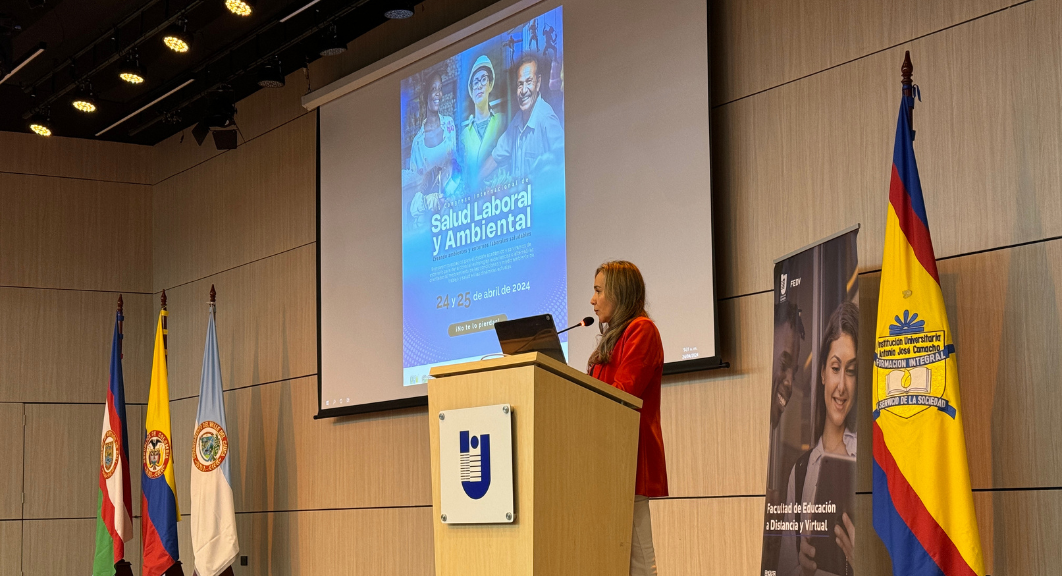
(586, 322)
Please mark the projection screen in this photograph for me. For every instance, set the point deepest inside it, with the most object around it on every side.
(489, 179)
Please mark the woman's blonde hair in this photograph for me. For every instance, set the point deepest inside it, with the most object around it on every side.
(625, 288)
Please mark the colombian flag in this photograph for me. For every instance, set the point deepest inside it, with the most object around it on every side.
(923, 507)
(114, 512)
(158, 525)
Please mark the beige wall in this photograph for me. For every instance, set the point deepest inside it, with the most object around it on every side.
(804, 99)
(75, 231)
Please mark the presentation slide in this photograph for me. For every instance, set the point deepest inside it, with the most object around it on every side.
(484, 173)
(483, 205)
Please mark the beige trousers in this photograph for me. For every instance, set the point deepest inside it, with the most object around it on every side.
(643, 558)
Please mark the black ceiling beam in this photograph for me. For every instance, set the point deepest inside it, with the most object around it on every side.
(254, 64)
(114, 57)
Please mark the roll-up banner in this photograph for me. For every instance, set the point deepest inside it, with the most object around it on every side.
(809, 517)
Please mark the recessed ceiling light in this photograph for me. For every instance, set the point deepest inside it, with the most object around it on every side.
(131, 71)
(240, 7)
(41, 124)
(85, 101)
(271, 75)
(332, 45)
(177, 37)
(399, 11)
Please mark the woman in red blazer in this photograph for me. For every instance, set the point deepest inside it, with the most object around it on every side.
(630, 356)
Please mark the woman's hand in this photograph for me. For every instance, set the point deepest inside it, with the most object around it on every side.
(846, 538)
(807, 555)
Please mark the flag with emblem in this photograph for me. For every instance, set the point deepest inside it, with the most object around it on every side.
(114, 510)
(214, 539)
(158, 525)
(923, 506)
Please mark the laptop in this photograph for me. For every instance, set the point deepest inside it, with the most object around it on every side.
(531, 334)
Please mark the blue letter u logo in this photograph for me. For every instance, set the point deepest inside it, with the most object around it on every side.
(475, 464)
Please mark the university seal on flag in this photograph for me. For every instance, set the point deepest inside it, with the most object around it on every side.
(156, 454)
(109, 454)
(210, 447)
(911, 368)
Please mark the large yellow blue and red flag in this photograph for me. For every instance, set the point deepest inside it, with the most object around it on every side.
(923, 506)
(114, 510)
(158, 525)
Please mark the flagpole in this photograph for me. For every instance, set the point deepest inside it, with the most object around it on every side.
(908, 84)
(121, 567)
(206, 548)
(165, 344)
(121, 332)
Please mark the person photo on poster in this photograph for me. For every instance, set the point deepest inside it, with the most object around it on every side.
(809, 522)
(835, 443)
(483, 197)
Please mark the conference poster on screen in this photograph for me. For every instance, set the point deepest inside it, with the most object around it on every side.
(483, 195)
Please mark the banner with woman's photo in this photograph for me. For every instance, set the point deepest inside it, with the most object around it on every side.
(809, 517)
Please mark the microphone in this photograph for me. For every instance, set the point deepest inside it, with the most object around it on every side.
(589, 320)
(585, 322)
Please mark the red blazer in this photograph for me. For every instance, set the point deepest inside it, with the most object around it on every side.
(636, 367)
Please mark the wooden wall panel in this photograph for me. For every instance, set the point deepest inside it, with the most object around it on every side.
(81, 234)
(716, 423)
(11, 547)
(373, 542)
(11, 451)
(179, 153)
(708, 536)
(57, 345)
(25, 153)
(812, 157)
(254, 202)
(51, 547)
(266, 110)
(1005, 308)
(257, 114)
(266, 322)
(762, 44)
(135, 414)
(62, 470)
(1026, 526)
(283, 459)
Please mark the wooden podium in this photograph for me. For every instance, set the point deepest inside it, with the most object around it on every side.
(575, 445)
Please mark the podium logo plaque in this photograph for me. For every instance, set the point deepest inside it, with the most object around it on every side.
(476, 465)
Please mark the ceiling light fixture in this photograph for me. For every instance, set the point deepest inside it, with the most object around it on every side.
(145, 107)
(41, 124)
(399, 11)
(131, 71)
(240, 7)
(177, 37)
(332, 45)
(296, 13)
(35, 52)
(270, 75)
(85, 101)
